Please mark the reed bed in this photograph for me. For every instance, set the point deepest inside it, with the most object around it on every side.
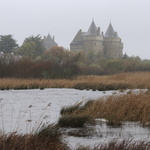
(111, 82)
(115, 109)
(130, 80)
(48, 138)
(119, 145)
(13, 83)
(29, 142)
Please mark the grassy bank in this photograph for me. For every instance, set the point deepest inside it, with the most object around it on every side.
(102, 83)
(115, 109)
(48, 138)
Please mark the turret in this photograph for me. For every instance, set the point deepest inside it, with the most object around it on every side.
(93, 40)
(109, 45)
(112, 44)
(49, 42)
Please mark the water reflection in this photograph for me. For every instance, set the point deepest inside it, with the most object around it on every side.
(102, 133)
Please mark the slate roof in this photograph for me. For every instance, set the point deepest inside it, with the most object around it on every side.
(78, 38)
(92, 29)
(110, 31)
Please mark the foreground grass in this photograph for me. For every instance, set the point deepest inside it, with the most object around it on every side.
(48, 138)
(112, 82)
(36, 142)
(116, 145)
(29, 142)
(115, 109)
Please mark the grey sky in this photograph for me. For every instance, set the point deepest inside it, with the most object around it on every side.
(63, 18)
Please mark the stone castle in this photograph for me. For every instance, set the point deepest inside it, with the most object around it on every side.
(109, 45)
(49, 42)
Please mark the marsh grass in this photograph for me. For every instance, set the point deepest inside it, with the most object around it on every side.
(43, 137)
(68, 119)
(73, 121)
(101, 86)
(119, 145)
(47, 139)
(70, 109)
(120, 81)
(118, 108)
(50, 131)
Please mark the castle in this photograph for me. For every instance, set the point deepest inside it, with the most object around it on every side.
(109, 45)
(49, 42)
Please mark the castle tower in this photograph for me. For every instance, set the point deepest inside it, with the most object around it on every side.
(93, 40)
(109, 45)
(112, 44)
(77, 44)
(49, 42)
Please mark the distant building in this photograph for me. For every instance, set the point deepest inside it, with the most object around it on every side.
(49, 42)
(109, 45)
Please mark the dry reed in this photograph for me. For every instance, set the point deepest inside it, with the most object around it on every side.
(124, 80)
(129, 107)
(119, 145)
(30, 142)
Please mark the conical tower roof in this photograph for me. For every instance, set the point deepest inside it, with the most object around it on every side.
(110, 31)
(49, 38)
(92, 29)
(78, 38)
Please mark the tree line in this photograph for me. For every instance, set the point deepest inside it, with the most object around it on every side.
(57, 62)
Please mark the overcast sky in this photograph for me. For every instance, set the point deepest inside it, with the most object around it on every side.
(63, 18)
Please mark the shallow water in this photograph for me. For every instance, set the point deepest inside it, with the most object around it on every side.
(24, 110)
(104, 134)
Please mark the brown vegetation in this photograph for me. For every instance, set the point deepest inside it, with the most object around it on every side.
(48, 138)
(116, 145)
(138, 80)
(57, 63)
(129, 107)
(37, 69)
(29, 142)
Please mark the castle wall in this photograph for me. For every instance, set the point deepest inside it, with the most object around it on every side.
(113, 48)
(93, 43)
(109, 45)
(77, 47)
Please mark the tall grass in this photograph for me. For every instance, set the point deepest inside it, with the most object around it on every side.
(129, 107)
(73, 121)
(41, 137)
(119, 145)
(112, 82)
(48, 138)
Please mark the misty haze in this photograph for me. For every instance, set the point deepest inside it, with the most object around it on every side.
(74, 75)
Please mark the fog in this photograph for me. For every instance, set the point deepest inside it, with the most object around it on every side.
(63, 18)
